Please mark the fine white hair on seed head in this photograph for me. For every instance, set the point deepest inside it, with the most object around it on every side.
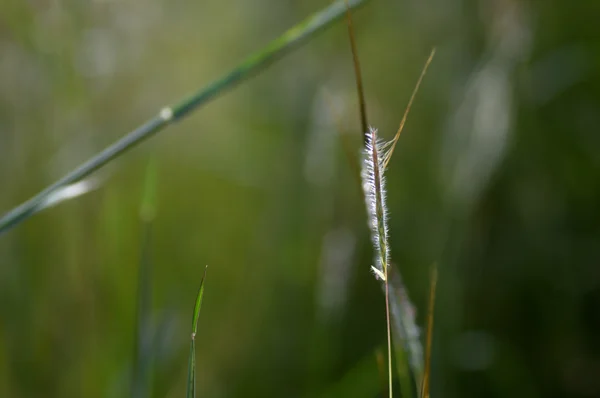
(374, 188)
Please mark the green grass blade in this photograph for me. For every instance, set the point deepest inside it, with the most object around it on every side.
(170, 114)
(191, 382)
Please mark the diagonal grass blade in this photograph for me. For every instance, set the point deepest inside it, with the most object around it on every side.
(169, 114)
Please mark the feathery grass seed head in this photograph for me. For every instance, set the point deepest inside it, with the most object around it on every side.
(374, 187)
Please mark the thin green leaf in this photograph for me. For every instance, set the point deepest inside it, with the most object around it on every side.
(191, 383)
(169, 114)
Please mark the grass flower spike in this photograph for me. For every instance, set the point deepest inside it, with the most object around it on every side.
(374, 187)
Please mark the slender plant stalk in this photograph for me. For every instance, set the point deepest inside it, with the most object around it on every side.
(191, 381)
(407, 110)
(171, 114)
(374, 186)
(429, 337)
(389, 333)
(378, 184)
(357, 75)
(384, 252)
(377, 157)
(408, 346)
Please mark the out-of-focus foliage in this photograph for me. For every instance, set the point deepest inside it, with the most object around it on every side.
(496, 178)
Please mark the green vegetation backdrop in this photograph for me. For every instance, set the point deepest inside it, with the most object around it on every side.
(496, 178)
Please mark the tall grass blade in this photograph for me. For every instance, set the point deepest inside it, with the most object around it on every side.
(171, 114)
(429, 336)
(142, 368)
(191, 381)
(357, 75)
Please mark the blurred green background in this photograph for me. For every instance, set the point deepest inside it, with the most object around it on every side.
(496, 178)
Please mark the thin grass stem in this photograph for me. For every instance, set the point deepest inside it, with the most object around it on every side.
(377, 156)
(191, 381)
(374, 188)
(389, 334)
(357, 75)
(393, 143)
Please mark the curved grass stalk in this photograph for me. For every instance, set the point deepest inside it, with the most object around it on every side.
(171, 114)
(393, 143)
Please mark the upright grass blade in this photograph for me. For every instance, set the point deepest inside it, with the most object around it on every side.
(170, 114)
(191, 381)
(357, 75)
(429, 337)
(142, 367)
